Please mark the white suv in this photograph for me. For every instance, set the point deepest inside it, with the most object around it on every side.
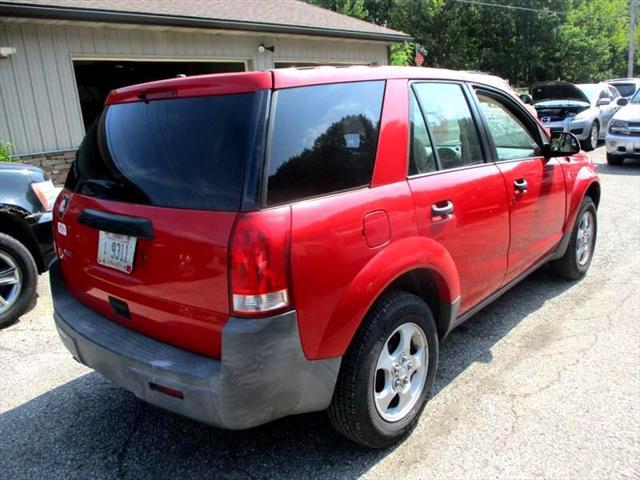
(623, 134)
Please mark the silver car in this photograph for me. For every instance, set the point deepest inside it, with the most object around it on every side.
(623, 135)
(584, 110)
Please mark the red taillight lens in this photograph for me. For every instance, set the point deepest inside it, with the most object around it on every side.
(46, 193)
(260, 261)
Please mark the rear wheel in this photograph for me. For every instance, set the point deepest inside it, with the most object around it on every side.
(614, 159)
(388, 372)
(576, 260)
(591, 143)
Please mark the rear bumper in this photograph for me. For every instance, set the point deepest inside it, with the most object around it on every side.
(263, 374)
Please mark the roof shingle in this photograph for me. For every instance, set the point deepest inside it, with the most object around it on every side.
(262, 15)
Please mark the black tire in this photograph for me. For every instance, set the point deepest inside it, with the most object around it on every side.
(589, 144)
(353, 412)
(568, 266)
(28, 273)
(614, 160)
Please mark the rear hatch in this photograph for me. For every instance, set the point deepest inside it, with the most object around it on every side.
(150, 204)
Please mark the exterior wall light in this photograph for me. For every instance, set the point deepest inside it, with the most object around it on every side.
(262, 48)
(5, 52)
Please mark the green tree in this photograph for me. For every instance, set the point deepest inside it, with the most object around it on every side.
(576, 40)
(594, 40)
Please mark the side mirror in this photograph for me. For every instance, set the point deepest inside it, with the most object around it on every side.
(526, 98)
(603, 101)
(562, 144)
(622, 101)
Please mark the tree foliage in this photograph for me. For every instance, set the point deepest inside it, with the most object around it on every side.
(575, 40)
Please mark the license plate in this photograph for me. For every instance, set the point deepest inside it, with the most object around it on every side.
(116, 251)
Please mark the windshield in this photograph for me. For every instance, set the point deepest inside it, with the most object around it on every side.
(591, 91)
(636, 97)
(181, 153)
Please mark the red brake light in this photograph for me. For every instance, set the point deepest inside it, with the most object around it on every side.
(260, 261)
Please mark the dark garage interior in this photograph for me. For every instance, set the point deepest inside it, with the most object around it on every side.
(96, 78)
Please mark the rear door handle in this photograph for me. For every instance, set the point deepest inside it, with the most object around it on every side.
(442, 209)
(521, 185)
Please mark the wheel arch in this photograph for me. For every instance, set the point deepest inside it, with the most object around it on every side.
(14, 224)
(416, 264)
(593, 191)
(423, 282)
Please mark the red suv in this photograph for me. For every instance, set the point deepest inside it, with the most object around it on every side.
(240, 247)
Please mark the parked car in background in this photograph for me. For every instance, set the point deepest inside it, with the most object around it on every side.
(584, 110)
(26, 246)
(623, 136)
(235, 276)
(626, 86)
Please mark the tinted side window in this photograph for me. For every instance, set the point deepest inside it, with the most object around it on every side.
(452, 127)
(510, 137)
(324, 139)
(422, 159)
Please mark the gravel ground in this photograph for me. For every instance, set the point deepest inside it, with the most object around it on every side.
(545, 382)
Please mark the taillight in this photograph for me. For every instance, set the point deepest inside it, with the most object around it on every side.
(260, 262)
(46, 193)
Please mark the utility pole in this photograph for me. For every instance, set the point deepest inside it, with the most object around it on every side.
(632, 35)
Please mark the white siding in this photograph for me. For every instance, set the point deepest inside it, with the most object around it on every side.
(39, 107)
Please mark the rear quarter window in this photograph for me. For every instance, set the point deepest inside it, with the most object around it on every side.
(323, 140)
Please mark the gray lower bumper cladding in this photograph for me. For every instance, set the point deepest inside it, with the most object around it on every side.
(263, 374)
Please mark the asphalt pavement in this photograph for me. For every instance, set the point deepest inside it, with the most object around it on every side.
(543, 383)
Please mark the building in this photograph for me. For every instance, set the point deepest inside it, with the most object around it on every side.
(60, 58)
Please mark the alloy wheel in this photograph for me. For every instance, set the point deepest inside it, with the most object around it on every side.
(585, 236)
(401, 372)
(594, 135)
(10, 282)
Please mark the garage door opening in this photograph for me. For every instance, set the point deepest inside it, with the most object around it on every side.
(96, 78)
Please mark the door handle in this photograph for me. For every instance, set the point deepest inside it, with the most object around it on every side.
(521, 185)
(442, 209)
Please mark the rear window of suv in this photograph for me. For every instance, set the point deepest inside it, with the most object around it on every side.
(182, 153)
(323, 139)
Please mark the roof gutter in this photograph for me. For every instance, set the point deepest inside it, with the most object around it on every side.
(109, 16)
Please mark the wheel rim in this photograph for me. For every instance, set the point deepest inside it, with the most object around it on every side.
(584, 240)
(594, 136)
(10, 282)
(401, 372)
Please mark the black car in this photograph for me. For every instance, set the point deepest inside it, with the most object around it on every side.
(26, 246)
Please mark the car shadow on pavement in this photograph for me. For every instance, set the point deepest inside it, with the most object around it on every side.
(472, 341)
(89, 428)
(629, 167)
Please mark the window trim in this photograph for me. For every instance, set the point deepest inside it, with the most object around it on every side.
(484, 146)
(436, 157)
(517, 110)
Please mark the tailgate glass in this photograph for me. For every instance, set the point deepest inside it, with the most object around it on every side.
(178, 152)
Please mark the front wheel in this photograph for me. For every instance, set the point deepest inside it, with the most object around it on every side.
(591, 143)
(576, 260)
(388, 372)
